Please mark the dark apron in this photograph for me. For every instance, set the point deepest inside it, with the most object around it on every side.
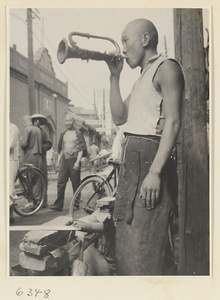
(142, 235)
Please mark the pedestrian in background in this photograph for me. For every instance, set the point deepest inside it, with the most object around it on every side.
(31, 144)
(14, 164)
(39, 120)
(71, 147)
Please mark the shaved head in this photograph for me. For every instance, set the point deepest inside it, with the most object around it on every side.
(69, 121)
(27, 121)
(69, 117)
(139, 40)
(141, 26)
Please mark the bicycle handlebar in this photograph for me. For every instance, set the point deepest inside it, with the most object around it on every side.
(114, 162)
(100, 156)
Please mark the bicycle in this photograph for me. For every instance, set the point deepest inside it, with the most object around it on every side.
(94, 187)
(30, 186)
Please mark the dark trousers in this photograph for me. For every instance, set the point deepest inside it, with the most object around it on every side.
(142, 235)
(35, 160)
(66, 171)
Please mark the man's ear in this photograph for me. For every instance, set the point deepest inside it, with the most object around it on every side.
(145, 39)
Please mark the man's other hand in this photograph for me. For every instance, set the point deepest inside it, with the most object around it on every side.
(150, 190)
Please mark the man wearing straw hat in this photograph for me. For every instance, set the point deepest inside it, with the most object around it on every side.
(39, 120)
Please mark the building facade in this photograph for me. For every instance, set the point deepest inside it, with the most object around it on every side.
(51, 94)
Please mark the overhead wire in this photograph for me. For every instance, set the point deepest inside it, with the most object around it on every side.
(18, 18)
(35, 35)
(58, 67)
(66, 66)
(54, 51)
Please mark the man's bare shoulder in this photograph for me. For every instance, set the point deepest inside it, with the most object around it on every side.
(170, 66)
(169, 72)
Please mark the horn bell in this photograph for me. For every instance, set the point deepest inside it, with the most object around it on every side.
(63, 51)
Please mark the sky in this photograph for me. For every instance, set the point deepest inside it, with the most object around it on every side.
(82, 76)
(51, 25)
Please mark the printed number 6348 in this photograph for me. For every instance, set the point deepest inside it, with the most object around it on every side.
(33, 292)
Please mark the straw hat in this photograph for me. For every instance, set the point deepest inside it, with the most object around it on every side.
(39, 117)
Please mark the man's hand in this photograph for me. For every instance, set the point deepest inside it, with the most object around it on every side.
(76, 165)
(57, 166)
(150, 190)
(116, 69)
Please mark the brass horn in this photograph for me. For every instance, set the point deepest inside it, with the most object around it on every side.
(65, 51)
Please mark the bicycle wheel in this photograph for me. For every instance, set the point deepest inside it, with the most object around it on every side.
(30, 186)
(85, 198)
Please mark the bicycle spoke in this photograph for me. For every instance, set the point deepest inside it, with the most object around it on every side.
(86, 196)
(30, 196)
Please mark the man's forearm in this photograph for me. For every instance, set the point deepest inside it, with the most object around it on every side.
(59, 157)
(24, 141)
(117, 105)
(79, 156)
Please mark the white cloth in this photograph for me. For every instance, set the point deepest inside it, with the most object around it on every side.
(116, 146)
(14, 155)
(103, 152)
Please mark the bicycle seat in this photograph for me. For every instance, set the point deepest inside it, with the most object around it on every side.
(105, 201)
(28, 165)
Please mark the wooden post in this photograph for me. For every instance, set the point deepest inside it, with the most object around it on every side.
(193, 151)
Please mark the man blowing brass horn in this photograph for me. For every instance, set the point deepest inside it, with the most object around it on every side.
(64, 51)
(147, 185)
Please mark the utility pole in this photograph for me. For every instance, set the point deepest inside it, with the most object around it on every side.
(193, 198)
(42, 32)
(104, 121)
(56, 119)
(95, 108)
(31, 82)
(165, 45)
